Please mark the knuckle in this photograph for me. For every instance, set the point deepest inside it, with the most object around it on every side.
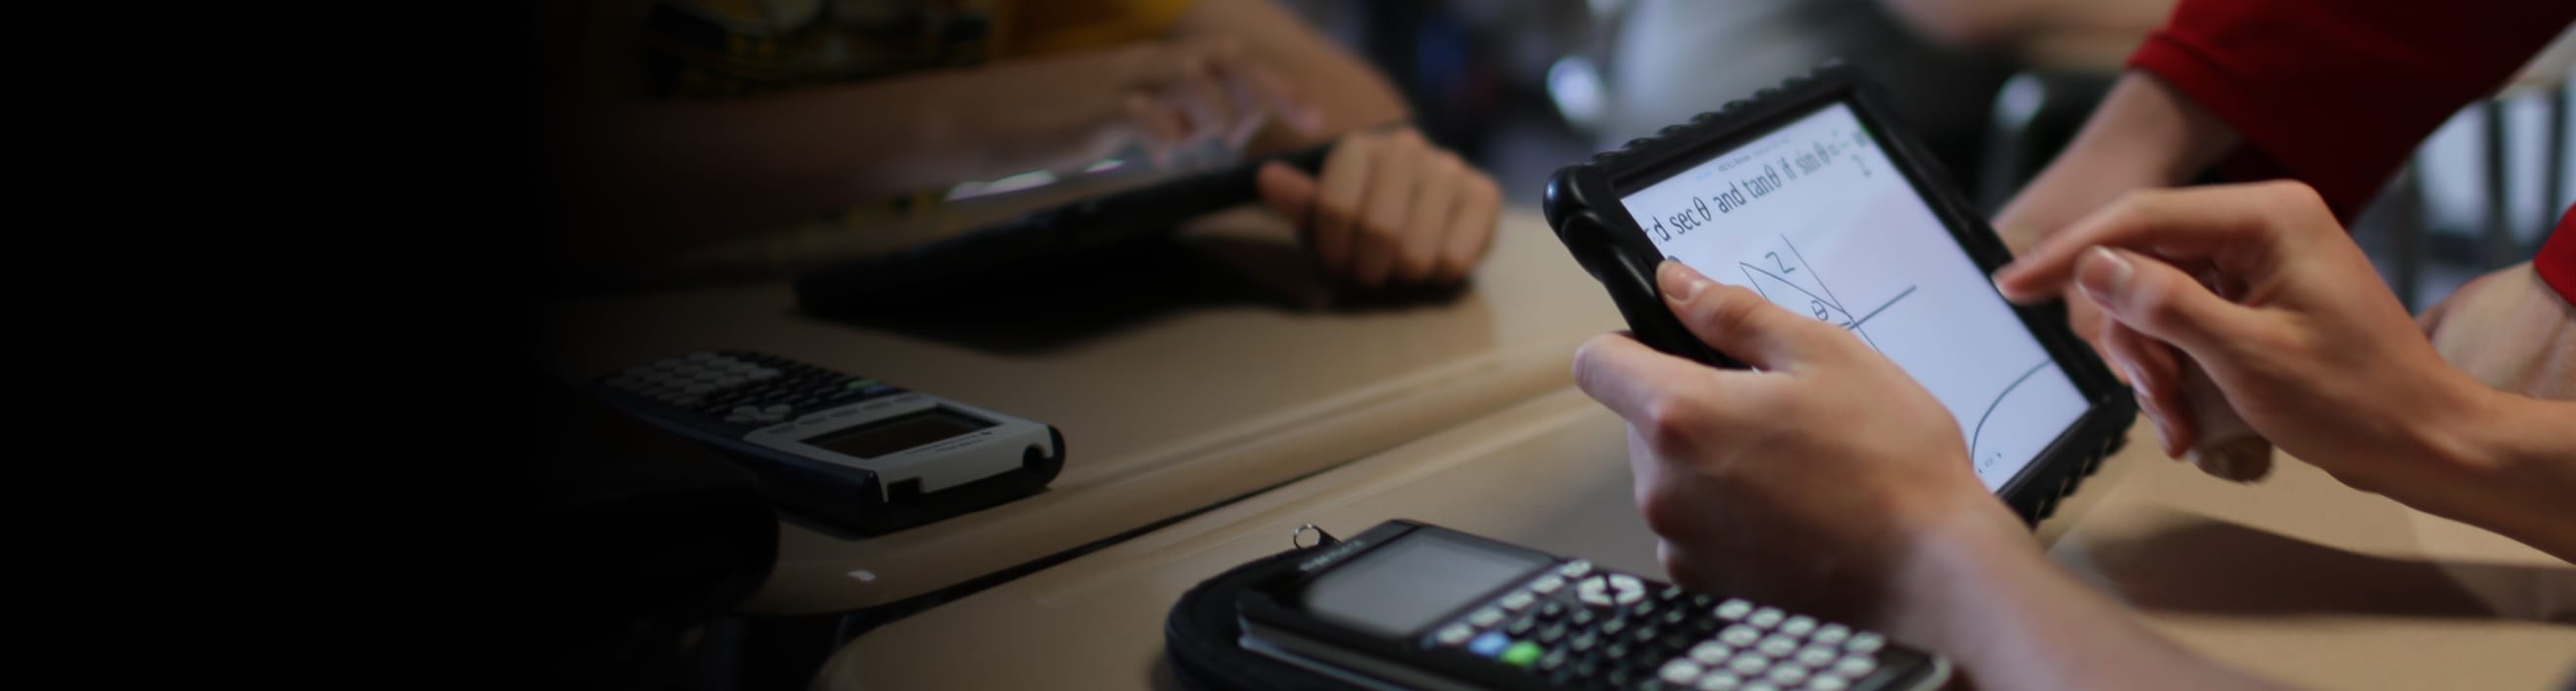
(1671, 423)
(1667, 516)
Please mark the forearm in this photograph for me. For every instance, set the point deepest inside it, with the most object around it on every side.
(2144, 135)
(656, 178)
(1983, 595)
(1348, 93)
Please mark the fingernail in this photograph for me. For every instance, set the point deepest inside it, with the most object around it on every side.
(2103, 273)
(1680, 283)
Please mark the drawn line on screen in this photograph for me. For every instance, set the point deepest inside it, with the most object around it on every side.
(1829, 292)
(1999, 401)
(1864, 319)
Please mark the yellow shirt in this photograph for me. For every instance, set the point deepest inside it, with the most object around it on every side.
(720, 49)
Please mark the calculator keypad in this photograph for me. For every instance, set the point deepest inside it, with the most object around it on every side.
(1583, 628)
(745, 390)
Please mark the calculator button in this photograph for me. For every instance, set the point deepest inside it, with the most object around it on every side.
(1582, 617)
(1764, 618)
(1615, 652)
(1816, 656)
(1733, 609)
(1518, 601)
(1486, 618)
(1582, 643)
(1624, 582)
(1631, 596)
(1642, 610)
(1710, 653)
(1553, 660)
(1827, 682)
(1720, 681)
(1522, 627)
(1521, 654)
(1551, 611)
(1645, 635)
(1739, 635)
(1748, 663)
(1456, 634)
(1679, 672)
(1574, 569)
(1832, 634)
(1671, 593)
(1547, 584)
(1760, 686)
(1613, 627)
(1591, 594)
(1551, 634)
(1788, 674)
(1488, 645)
(1778, 646)
(1866, 643)
(1855, 666)
(1673, 618)
(1798, 625)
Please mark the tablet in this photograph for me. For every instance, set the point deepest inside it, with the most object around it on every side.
(1810, 195)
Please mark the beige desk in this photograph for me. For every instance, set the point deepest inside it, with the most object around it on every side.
(1160, 418)
(1551, 473)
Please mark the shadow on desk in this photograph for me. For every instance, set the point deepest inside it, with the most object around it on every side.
(1033, 309)
(2196, 564)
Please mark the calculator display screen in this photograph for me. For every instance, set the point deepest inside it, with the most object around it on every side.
(900, 433)
(1400, 588)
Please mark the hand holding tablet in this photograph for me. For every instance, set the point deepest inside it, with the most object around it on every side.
(1806, 197)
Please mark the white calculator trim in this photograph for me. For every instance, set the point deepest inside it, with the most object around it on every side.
(938, 465)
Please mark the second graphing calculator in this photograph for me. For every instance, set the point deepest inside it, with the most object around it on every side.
(844, 450)
(1411, 605)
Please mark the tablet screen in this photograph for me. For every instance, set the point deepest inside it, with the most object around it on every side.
(1813, 217)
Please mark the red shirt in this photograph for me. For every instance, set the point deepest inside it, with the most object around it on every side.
(2337, 93)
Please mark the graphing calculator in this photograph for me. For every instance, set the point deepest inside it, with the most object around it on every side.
(1411, 605)
(845, 450)
(1811, 195)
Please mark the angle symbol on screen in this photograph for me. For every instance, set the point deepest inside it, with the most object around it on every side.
(1785, 278)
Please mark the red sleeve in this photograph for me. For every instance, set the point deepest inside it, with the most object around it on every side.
(2337, 93)
(2557, 261)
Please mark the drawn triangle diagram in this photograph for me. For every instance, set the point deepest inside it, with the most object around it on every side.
(1801, 297)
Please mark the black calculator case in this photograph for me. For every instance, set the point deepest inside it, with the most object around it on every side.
(1582, 204)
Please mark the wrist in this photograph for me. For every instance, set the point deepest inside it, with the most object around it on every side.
(2519, 459)
(1969, 546)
